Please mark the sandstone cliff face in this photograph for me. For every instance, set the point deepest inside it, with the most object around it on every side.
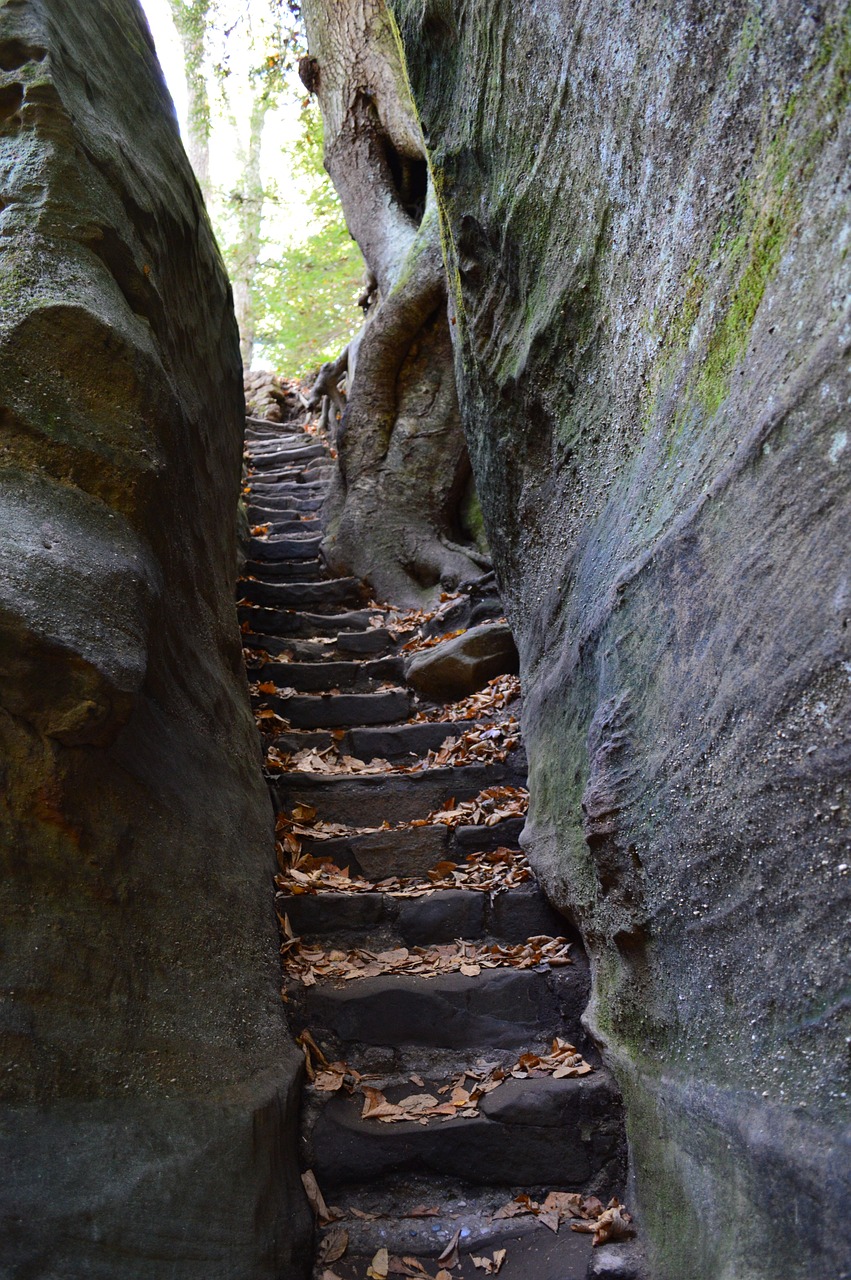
(146, 1078)
(647, 226)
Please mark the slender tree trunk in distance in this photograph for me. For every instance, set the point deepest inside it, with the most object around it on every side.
(248, 199)
(190, 19)
(393, 512)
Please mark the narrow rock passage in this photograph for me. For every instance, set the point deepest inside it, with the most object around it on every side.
(453, 1107)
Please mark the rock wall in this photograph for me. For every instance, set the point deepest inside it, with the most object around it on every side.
(647, 224)
(148, 1089)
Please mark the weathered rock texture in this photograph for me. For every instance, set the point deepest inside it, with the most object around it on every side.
(461, 665)
(399, 511)
(147, 1084)
(647, 224)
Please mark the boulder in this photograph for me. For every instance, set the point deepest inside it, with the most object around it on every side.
(149, 1089)
(458, 667)
(646, 215)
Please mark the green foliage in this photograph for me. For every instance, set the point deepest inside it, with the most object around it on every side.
(306, 294)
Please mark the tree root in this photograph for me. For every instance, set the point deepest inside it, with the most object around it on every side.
(325, 394)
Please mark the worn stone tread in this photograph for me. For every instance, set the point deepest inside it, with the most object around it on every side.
(322, 711)
(314, 677)
(291, 622)
(335, 591)
(501, 1008)
(443, 916)
(398, 797)
(283, 570)
(570, 1128)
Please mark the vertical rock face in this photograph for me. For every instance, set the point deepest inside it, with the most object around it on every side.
(146, 1081)
(647, 225)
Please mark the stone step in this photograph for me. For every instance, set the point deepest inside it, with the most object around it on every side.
(285, 528)
(315, 677)
(370, 799)
(390, 1219)
(265, 509)
(413, 851)
(284, 570)
(268, 487)
(330, 711)
(335, 591)
(300, 546)
(374, 640)
(568, 1132)
(379, 921)
(291, 622)
(499, 1009)
(388, 742)
(263, 459)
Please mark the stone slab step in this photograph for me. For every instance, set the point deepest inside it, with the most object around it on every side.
(306, 594)
(324, 711)
(532, 1251)
(501, 1008)
(394, 742)
(289, 488)
(412, 852)
(291, 622)
(288, 508)
(375, 640)
(440, 917)
(274, 549)
(284, 570)
(285, 527)
(369, 799)
(570, 1128)
(315, 677)
(294, 452)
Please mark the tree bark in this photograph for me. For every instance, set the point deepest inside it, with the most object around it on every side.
(191, 19)
(248, 201)
(392, 515)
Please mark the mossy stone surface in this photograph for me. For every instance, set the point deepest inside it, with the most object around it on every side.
(646, 219)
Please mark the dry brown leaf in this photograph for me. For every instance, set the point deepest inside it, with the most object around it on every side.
(329, 1081)
(422, 1211)
(333, 1245)
(314, 1196)
(443, 1274)
(378, 1268)
(449, 1256)
(613, 1224)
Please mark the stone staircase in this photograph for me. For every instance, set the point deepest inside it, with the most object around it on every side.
(420, 971)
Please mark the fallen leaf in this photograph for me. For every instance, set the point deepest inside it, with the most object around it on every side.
(314, 1195)
(329, 1081)
(422, 1211)
(303, 813)
(613, 1224)
(333, 1245)
(379, 1267)
(449, 1257)
(443, 1274)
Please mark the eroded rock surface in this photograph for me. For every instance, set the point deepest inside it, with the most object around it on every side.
(461, 665)
(646, 215)
(147, 1082)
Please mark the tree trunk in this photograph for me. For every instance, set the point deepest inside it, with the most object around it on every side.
(248, 199)
(402, 461)
(191, 19)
